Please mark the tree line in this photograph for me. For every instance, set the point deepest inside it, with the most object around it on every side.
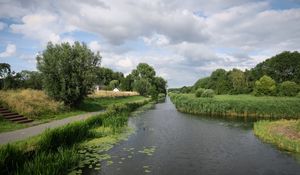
(278, 75)
(69, 73)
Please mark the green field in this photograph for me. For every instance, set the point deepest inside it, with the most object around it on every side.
(239, 105)
(283, 133)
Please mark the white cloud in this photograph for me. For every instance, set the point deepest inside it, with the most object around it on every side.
(10, 50)
(94, 46)
(2, 25)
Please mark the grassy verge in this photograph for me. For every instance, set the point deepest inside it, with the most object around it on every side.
(89, 105)
(56, 151)
(283, 133)
(239, 105)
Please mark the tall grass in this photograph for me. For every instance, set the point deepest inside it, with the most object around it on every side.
(282, 133)
(239, 105)
(103, 93)
(31, 103)
(54, 151)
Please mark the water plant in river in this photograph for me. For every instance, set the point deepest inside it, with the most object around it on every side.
(283, 133)
(148, 150)
(238, 105)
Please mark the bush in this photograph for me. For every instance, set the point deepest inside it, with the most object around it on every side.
(288, 88)
(199, 92)
(265, 86)
(31, 103)
(208, 93)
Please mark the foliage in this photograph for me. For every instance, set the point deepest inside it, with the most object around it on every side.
(288, 88)
(208, 93)
(105, 75)
(31, 103)
(199, 92)
(265, 86)
(114, 84)
(238, 105)
(282, 133)
(68, 71)
(281, 67)
(142, 86)
(31, 80)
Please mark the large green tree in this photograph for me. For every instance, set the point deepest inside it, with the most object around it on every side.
(68, 71)
(265, 86)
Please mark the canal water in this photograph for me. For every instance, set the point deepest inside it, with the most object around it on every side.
(167, 142)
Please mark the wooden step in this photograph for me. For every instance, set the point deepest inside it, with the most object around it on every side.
(13, 116)
(25, 121)
(18, 119)
(9, 114)
(6, 111)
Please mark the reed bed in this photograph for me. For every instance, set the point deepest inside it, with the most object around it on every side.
(283, 133)
(103, 93)
(238, 106)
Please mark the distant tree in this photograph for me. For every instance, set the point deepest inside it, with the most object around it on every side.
(202, 83)
(281, 67)
(114, 84)
(265, 86)
(4, 72)
(238, 81)
(288, 88)
(68, 71)
(142, 86)
(219, 82)
(160, 85)
(31, 79)
(127, 83)
(199, 92)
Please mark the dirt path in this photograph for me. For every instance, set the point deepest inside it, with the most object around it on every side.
(35, 130)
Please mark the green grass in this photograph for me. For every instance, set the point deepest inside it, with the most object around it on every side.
(239, 105)
(6, 125)
(89, 105)
(54, 152)
(282, 133)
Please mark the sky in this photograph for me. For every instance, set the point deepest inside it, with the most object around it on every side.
(182, 40)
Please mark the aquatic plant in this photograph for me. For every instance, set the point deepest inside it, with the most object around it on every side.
(238, 105)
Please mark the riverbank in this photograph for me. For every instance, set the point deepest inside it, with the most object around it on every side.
(61, 145)
(238, 106)
(34, 105)
(283, 133)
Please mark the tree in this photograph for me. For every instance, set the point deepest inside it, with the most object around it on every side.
(31, 79)
(127, 83)
(68, 71)
(160, 85)
(144, 71)
(4, 72)
(281, 67)
(219, 81)
(114, 84)
(142, 86)
(199, 92)
(238, 81)
(288, 88)
(265, 86)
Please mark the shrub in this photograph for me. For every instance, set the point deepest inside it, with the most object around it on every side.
(199, 92)
(265, 86)
(208, 93)
(31, 103)
(288, 88)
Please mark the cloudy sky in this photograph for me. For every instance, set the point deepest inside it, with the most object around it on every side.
(182, 40)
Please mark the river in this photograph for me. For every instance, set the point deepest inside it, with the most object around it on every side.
(167, 142)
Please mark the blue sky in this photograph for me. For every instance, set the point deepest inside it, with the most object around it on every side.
(183, 41)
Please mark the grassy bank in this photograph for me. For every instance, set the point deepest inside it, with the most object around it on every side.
(56, 150)
(238, 105)
(34, 104)
(283, 133)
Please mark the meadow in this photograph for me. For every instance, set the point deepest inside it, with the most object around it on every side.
(238, 105)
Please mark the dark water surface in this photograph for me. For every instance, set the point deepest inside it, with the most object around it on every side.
(183, 144)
